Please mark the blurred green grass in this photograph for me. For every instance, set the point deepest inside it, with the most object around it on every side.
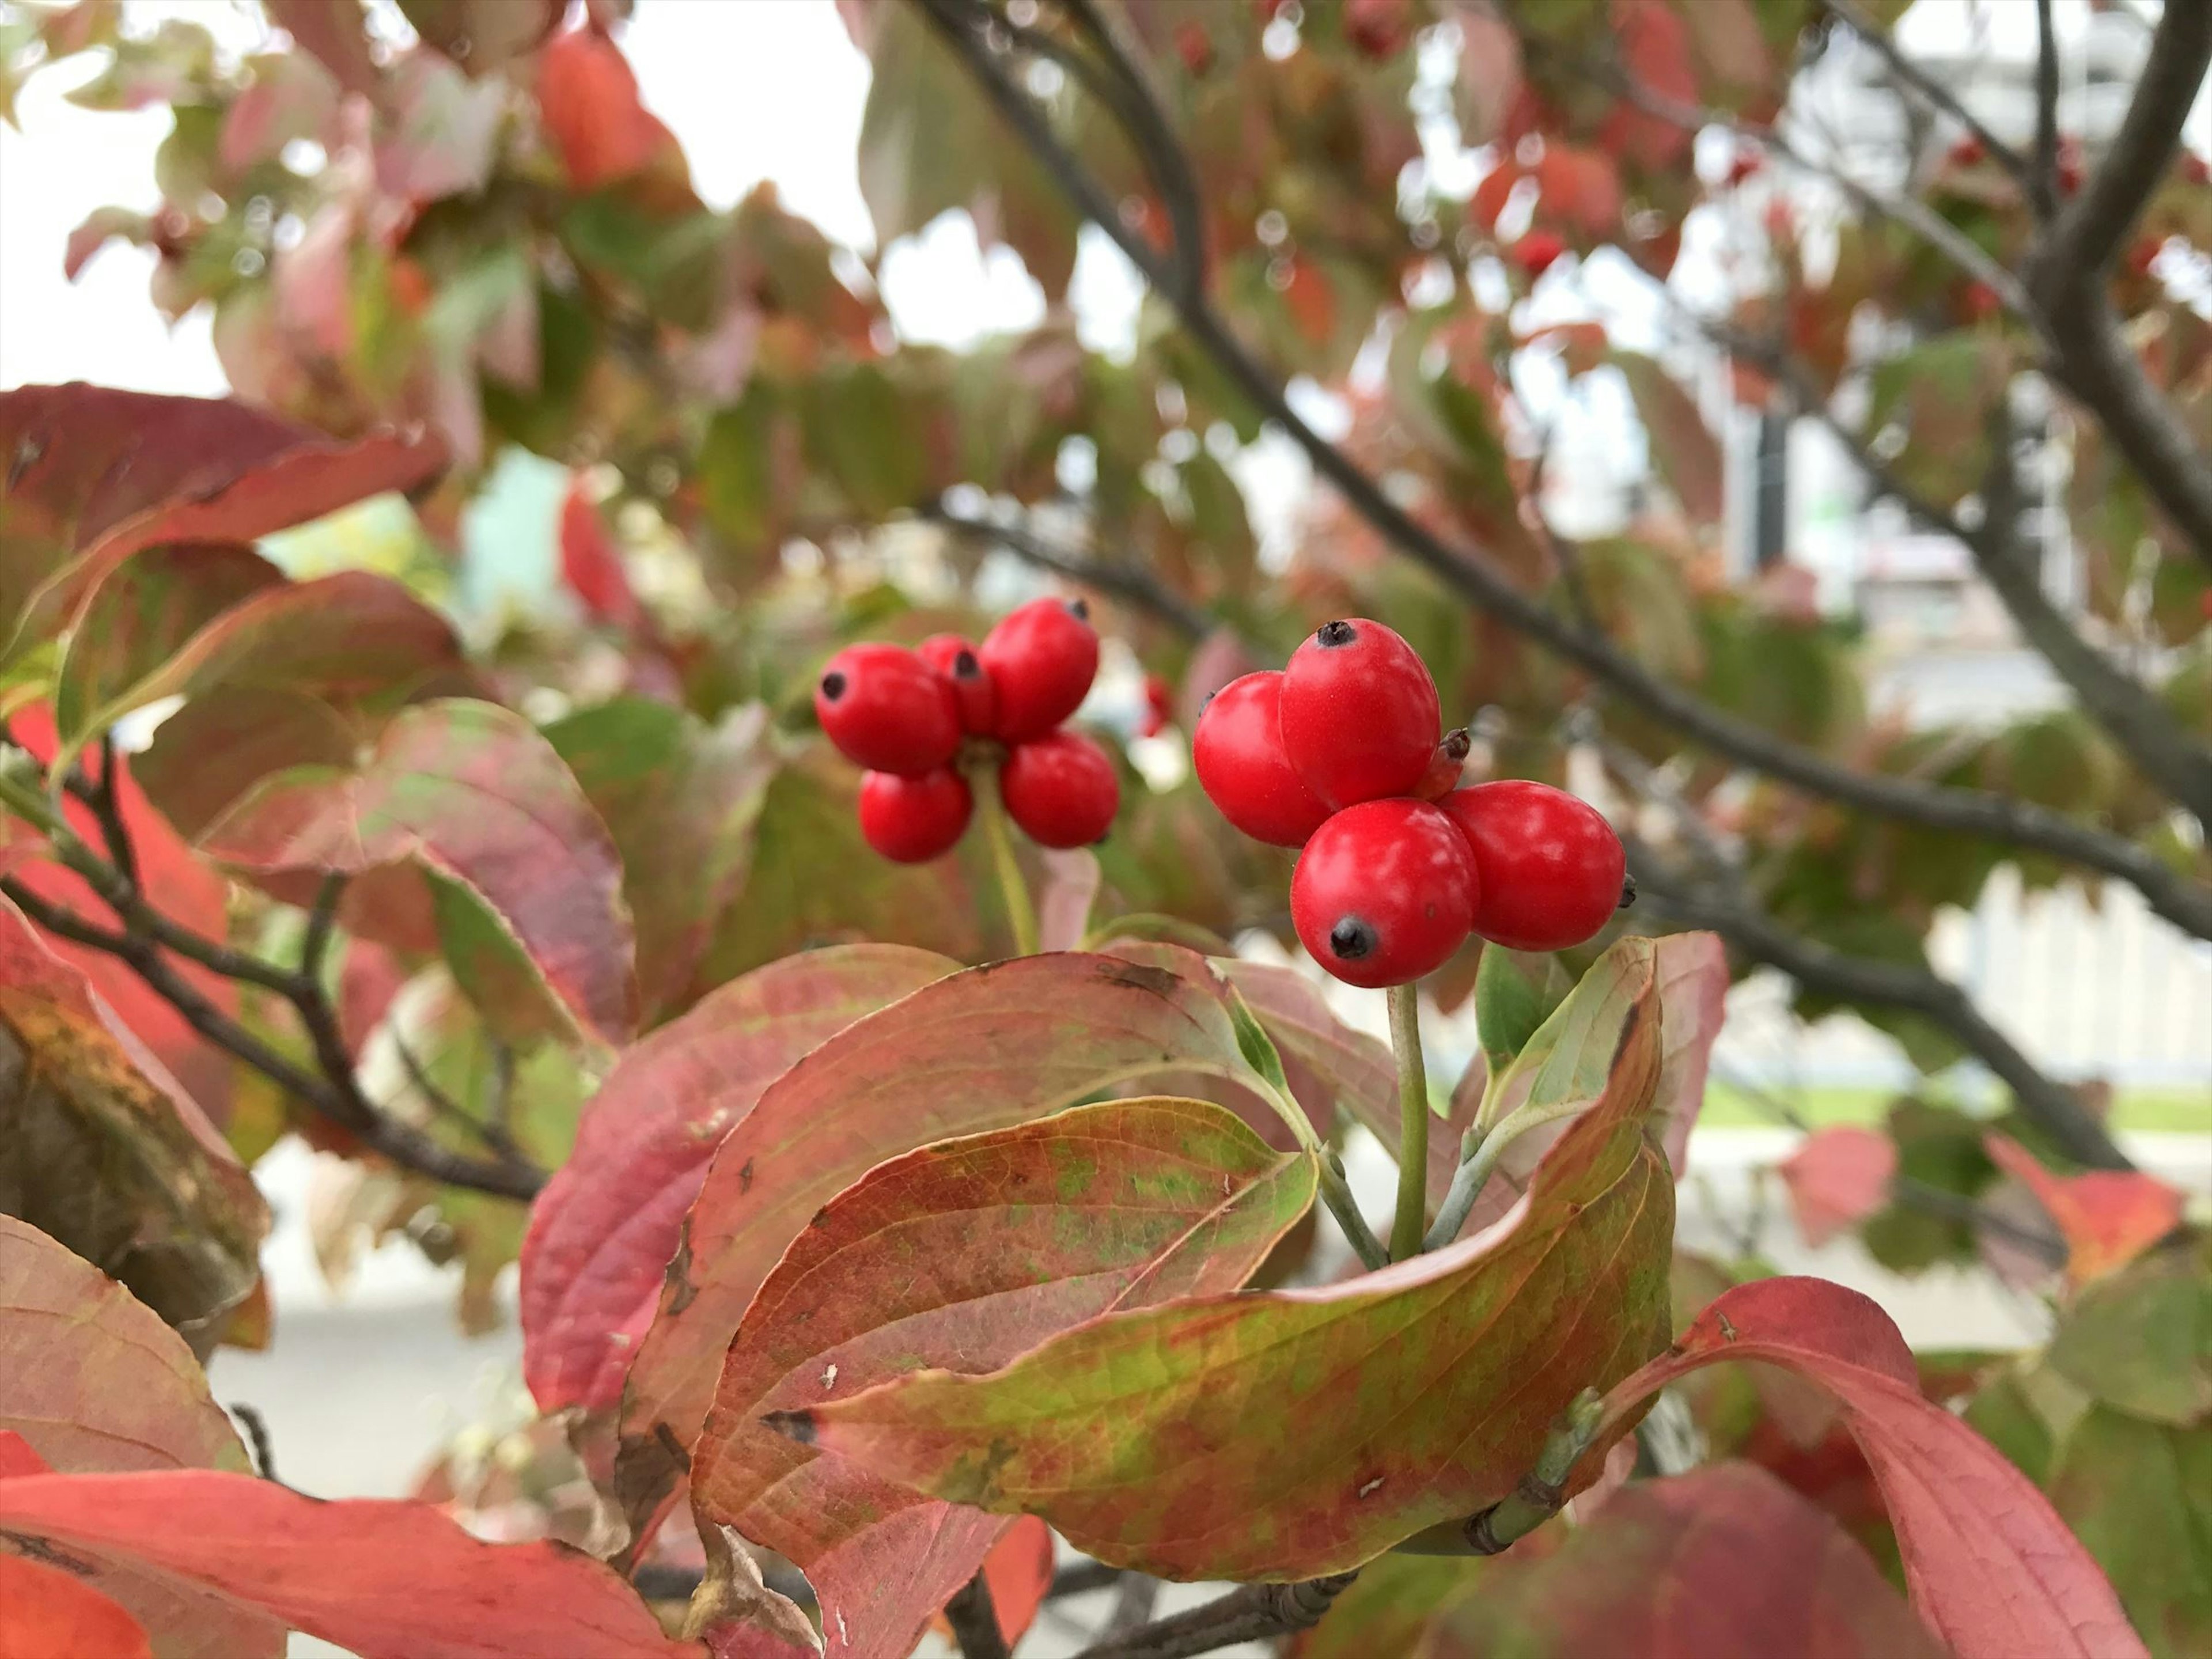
(2173, 1111)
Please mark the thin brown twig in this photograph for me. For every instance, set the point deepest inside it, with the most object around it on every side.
(1251, 1612)
(974, 1621)
(1929, 86)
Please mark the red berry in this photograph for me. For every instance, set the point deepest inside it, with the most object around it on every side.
(1384, 892)
(1060, 789)
(1981, 302)
(1746, 164)
(1376, 28)
(913, 820)
(1537, 251)
(1237, 752)
(1552, 869)
(1193, 46)
(2195, 169)
(1359, 712)
(954, 658)
(2142, 255)
(1967, 152)
(887, 709)
(1040, 661)
(1159, 707)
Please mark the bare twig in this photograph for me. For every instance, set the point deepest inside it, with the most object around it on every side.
(2043, 182)
(491, 1134)
(1132, 583)
(1999, 817)
(1251, 1612)
(106, 802)
(1081, 1578)
(1133, 1604)
(974, 1621)
(257, 1439)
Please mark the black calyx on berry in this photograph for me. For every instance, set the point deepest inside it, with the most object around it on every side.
(833, 686)
(1335, 633)
(1350, 939)
(965, 667)
(1079, 609)
(1627, 892)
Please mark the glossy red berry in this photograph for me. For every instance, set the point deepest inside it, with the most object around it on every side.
(1552, 869)
(1538, 251)
(1060, 789)
(1359, 712)
(1040, 661)
(913, 820)
(1159, 707)
(887, 709)
(1237, 752)
(1384, 892)
(956, 659)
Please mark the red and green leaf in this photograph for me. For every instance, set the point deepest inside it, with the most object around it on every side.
(1990, 1566)
(45, 1611)
(1026, 1231)
(609, 1223)
(468, 792)
(2107, 1217)
(1401, 1399)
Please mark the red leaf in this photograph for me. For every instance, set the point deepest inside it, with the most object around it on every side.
(1580, 189)
(332, 31)
(1019, 1571)
(1654, 44)
(191, 891)
(2108, 1217)
(1836, 1178)
(587, 98)
(1725, 1563)
(978, 1051)
(606, 1228)
(387, 1580)
(471, 791)
(90, 1376)
(1027, 1232)
(46, 1614)
(591, 563)
(1990, 1566)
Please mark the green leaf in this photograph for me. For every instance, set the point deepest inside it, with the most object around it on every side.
(681, 800)
(2142, 1341)
(981, 1050)
(1515, 992)
(1397, 1400)
(1684, 451)
(1938, 398)
(2139, 1495)
(1027, 1231)
(738, 472)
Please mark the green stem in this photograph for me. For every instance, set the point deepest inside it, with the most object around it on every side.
(1475, 1169)
(1021, 913)
(1412, 1215)
(1536, 1499)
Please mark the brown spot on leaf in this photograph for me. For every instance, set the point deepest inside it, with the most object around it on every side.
(746, 1176)
(797, 1426)
(1137, 977)
(679, 1293)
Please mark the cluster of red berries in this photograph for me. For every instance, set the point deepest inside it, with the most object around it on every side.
(1339, 754)
(921, 720)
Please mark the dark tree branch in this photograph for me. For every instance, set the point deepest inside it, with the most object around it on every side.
(974, 1621)
(1251, 1612)
(2166, 752)
(1081, 1578)
(1731, 914)
(2092, 360)
(1910, 75)
(1131, 582)
(106, 802)
(1978, 812)
(2043, 183)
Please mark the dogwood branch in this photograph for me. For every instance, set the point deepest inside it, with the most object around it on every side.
(1931, 88)
(1251, 1612)
(1132, 583)
(1999, 817)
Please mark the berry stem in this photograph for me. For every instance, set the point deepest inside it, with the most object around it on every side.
(1412, 1217)
(1021, 913)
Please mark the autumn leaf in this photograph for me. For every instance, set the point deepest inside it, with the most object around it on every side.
(611, 1218)
(2107, 1217)
(1988, 1564)
(1725, 1562)
(1836, 1178)
(978, 1051)
(588, 98)
(1027, 1231)
(383, 1579)
(483, 36)
(90, 1376)
(103, 1152)
(1404, 1398)
(468, 792)
(48, 1614)
(1684, 451)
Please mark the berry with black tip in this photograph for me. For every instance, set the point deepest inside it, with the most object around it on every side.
(1060, 789)
(887, 709)
(956, 659)
(913, 820)
(1237, 752)
(1384, 892)
(1553, 871)
(1359, 712)
(1040, 660)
